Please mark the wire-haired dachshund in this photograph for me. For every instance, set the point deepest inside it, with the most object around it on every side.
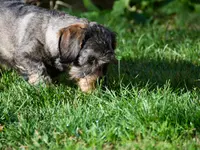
(34, 40)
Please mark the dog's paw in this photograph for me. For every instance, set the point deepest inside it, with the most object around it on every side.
(36, 79)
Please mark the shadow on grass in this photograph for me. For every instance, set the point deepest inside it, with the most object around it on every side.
(180, 74)
(155, 73)
(140, 72)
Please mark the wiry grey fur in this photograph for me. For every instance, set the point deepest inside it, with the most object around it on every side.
(31, 42)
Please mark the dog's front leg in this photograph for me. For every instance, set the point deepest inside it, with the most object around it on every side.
(29, 63)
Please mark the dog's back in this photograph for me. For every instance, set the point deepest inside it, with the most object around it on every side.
(14, 20)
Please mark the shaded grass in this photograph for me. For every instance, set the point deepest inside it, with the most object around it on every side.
(151, 102)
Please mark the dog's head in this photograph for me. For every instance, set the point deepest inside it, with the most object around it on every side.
(89, 48)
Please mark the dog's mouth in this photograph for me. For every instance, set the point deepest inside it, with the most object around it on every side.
(88, 83)
(85, 80)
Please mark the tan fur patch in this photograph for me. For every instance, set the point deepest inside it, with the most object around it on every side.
(87, 84)
(73, 26)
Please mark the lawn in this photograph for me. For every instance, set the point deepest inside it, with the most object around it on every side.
(152, 100)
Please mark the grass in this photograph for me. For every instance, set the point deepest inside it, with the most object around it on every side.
(152, 100)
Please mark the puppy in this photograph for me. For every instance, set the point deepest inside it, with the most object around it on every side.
(35, 41)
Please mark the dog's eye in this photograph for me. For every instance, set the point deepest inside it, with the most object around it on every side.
(91, 60)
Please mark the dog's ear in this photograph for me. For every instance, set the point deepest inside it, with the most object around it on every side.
(71, 39)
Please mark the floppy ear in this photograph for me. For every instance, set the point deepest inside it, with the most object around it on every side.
(70, 41)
